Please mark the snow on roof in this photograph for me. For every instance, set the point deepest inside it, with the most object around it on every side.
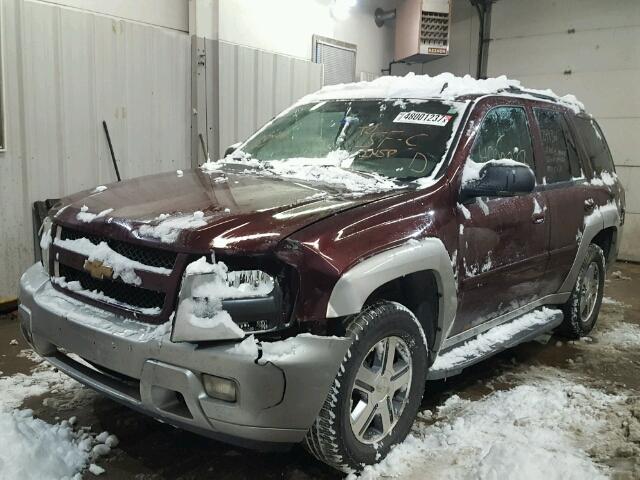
(445, 86)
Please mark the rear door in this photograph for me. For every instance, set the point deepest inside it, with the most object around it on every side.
(502, 250)
(565, 190)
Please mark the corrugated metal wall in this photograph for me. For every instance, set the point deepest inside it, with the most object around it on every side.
(256, 85)
(66, 71)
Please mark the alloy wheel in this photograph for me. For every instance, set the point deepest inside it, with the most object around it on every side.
(589, 291)
(381, 390)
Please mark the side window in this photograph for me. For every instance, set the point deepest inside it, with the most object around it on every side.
(560, 154)
(594, 144)
(504, 134)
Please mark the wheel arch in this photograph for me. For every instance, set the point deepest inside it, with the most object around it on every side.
(602, 228)
(398, 274)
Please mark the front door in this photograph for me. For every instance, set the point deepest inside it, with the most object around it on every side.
(502, 249)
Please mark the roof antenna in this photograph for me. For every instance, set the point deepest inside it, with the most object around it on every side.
(444, 87)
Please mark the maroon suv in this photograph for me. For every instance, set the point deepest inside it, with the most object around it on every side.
(305, 287)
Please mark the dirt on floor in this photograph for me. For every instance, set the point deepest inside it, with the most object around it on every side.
(608, 360)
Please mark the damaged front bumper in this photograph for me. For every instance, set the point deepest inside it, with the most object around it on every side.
(277, 400)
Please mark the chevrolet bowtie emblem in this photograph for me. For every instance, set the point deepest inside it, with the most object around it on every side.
(97, 269)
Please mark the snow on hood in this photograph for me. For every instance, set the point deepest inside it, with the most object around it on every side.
(445, 86)
(331, 170)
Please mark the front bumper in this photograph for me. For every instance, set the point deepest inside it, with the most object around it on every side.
(138, 365)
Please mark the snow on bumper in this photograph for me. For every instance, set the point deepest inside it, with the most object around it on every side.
(278, 398)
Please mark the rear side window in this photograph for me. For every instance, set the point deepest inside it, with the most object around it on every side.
(561, 162)
(594, 144)
(504, 134)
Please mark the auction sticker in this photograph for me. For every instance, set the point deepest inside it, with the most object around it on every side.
(423, 118)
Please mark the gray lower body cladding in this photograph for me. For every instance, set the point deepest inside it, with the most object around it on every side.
(277, 400)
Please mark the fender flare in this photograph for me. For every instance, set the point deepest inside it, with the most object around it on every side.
(356, 284)
(603, 217)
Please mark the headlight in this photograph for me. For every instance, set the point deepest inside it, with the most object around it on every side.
(45, 243)
(215, 304)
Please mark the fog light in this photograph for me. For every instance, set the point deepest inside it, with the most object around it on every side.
(220, 388)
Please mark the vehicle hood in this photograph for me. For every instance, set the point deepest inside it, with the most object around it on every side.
(197, 211)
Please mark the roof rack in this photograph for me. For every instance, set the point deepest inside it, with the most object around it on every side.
(542, 96)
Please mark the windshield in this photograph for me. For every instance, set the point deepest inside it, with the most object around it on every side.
(400, 139)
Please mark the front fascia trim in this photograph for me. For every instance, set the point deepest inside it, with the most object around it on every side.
(356, 285)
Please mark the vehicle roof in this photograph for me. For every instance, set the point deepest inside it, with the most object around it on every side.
(444, 86)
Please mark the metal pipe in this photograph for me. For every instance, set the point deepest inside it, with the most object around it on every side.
(483, 7)
(480, 11)
(381, 16)
(113, 156)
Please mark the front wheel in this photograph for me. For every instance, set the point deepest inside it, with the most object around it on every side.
(582, 308)
(377, 392)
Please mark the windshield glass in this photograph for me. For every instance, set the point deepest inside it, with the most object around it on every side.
(400, 139)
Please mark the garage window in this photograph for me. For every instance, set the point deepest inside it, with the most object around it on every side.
(594, 144)
(338, 58)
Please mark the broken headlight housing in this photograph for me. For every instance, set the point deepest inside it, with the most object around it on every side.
(45, 242)
(217, 304)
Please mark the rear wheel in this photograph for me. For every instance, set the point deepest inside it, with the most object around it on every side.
(582, 308)
(377, 392)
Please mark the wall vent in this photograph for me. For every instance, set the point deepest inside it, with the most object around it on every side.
(434, 29)
(423, 29)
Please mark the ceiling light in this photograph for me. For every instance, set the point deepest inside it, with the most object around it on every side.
(341, 9)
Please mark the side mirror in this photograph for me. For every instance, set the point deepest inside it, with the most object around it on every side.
(232, 148)
(499, 178)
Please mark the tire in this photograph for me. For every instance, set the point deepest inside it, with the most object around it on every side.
(582, 308)
(347, 444)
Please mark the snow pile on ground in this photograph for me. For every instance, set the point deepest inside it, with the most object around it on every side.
(545, 428)
(612, 301)
(622, 335)
(620, 276)
(170, 226)
(445, 85)
(43, 379)
(332, 170)
(35, 450)
(485, 343)
(123, 267)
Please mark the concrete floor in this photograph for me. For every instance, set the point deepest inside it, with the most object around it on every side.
(150, 450)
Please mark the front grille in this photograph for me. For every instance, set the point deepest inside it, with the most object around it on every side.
(145, 255)
(119, 291)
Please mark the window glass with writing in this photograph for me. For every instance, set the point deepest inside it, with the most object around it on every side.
(560, 154)
(401, 139)
(504, 134)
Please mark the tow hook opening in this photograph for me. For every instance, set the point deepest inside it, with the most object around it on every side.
(170, 401)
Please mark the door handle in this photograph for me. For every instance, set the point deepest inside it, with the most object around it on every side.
(589, 205)
(537, 218)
